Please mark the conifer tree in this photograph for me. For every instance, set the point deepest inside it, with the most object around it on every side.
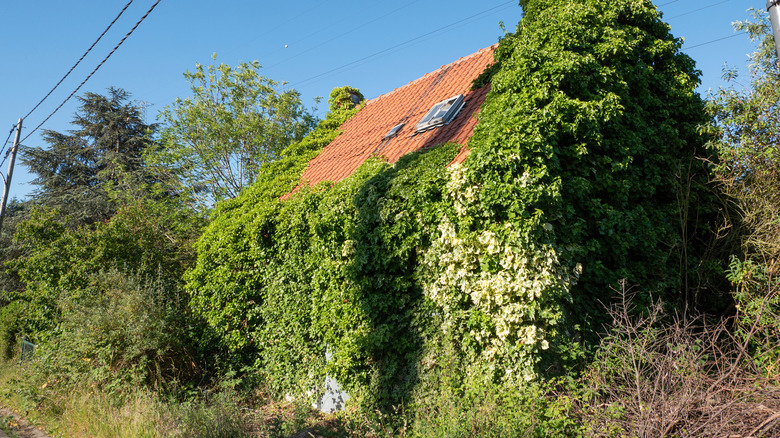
(105, 149)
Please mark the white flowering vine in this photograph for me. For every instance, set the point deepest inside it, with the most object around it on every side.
(502, 274)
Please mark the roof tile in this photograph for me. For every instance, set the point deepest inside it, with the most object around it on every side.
(363, 135)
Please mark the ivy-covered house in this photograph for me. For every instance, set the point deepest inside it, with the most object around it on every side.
(446, 234)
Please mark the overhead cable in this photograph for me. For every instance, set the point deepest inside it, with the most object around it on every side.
(95, 70)
(367, 23)
(5, 156)
(79, 61)
(419, 37)
(697, 10)
(715, 40)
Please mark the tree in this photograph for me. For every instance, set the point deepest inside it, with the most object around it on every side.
(235, 121)
(76, 172)
(748, 124)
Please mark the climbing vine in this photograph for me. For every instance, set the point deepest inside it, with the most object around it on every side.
(575, 180)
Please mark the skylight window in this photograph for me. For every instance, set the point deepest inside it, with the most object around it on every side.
(395, 130)
(441, 114)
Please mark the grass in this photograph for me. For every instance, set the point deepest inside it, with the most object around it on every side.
(654, 375)
(87, 412)
(6, 425)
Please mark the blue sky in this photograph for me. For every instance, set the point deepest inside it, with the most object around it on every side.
(375, 46)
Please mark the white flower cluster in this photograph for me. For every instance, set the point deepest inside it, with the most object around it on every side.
(461, 193)
(503, 277)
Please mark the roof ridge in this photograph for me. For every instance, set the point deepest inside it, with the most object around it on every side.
(437, 71)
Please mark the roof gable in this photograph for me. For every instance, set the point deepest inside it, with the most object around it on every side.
(366, 133)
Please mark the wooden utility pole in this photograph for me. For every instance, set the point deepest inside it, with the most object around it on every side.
(7, 179)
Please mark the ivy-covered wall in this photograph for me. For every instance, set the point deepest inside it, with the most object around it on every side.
(589, 141)
(582, 171)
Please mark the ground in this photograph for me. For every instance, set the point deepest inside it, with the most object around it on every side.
(12, 425)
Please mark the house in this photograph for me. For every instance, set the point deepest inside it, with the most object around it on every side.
(437, 108)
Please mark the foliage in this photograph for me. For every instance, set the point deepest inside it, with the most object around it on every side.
(85, 411)
(583, 169)
(103, 302)
(587, 145)
(452, 404)
(225, 273)
(748, 175)
(662, 374)
(15, 212)
(75, 172)
(120, 331)
(10, 330)
(236, 121)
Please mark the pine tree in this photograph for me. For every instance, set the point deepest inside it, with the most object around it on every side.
(80, 169)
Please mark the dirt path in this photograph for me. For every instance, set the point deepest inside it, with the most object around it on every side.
(18, 425)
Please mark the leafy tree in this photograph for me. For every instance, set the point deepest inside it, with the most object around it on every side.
(748, 123)
(236, 120)
(76, 171)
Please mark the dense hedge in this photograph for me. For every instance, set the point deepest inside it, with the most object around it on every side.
(583, 171)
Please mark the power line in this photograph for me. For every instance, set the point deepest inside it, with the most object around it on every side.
(697, 10)
(715, 40)
(79, 61)
(95, 70)
(340, 35)
(5, 156)
(298, 16)
(425, 35)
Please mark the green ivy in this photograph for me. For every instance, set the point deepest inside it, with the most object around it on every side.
(591, 131)
(236, 253)
(581, 165)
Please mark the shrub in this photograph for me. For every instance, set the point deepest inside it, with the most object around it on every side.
(10, 329)
(661, 374)
(121, 331)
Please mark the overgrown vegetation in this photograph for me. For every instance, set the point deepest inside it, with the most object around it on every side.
(399, 268)
(214, 143)
(604, 263)
(749, 178)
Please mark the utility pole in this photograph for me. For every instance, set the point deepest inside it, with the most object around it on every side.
(7, 179)
(773, 7)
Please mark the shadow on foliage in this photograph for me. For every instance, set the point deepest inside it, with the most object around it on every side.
(396, 210)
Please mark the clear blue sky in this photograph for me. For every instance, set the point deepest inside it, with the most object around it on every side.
(375, 46)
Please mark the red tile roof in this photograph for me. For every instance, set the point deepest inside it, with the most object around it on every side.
(364, 134)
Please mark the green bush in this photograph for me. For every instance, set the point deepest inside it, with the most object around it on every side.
(102, 303)
(122, 331)
(10, 329)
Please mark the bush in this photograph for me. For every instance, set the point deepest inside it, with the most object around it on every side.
(104, 301)
(660, 374)
(10, 329)
(122, 331)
